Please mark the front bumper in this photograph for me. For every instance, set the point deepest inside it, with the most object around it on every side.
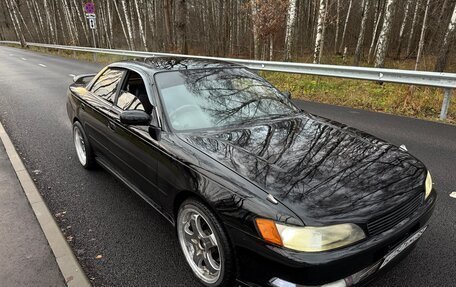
(261, 264)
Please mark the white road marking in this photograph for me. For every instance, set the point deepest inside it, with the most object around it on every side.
(453, 194)
(71, 75)
(24, 59)
(11, 55)
(44, 66)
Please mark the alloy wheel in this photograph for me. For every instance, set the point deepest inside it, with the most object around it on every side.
(200, 245)
(80, 146)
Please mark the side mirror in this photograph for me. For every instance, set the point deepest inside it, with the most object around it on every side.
(135, 118)
(83, 79)
(287, 94)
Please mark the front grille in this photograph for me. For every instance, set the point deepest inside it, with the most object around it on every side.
(390, 219)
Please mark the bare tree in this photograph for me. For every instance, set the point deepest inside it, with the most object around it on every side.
(142, 32)
(412, 29)
(289, 33)
(423, 33)
(359, 44)
(181, 27)
(377, 20)
(442, 58)
(402, 30)
(319, 39)
(129, 24)
(15, 20)
(336, 34)
(384, 34)
(347, 18)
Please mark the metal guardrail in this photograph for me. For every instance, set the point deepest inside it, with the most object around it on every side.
(447, 81)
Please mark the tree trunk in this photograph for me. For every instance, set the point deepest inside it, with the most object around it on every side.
(16, 24)
(256, 39)
(129, 24)
(359, 44)
(35, 23)
(379, 14)
(289, 33)
(336, 36)
(401, 31)
(122, 25)
(142, 33)
(423, 33)
(168, 6)
(384, 35)
(181, 26)
(438, 33)
(412, 29)
(320, 31)
(342, 42)
(442, 58)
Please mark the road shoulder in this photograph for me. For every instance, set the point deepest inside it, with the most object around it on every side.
(28, 229)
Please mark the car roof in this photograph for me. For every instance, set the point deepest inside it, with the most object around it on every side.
(159, 64)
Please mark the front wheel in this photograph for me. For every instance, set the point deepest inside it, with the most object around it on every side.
(82, 146)
(205, 245)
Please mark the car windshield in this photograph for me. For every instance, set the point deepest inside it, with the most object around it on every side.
(208, 98)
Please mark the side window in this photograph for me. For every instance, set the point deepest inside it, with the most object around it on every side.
(106, 85)
(133, 95)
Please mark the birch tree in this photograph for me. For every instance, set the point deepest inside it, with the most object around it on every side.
(412, 29)
(16, 24)
(347, 18)
(289, 32)
(384, 34)
(359, 44)
(129, 24)
(402, 29)
(320, 32)
(256, 39)
(377, 20)
(336, 36)
(423, 33)
(122, 25)
(442, 58)
(142, 32)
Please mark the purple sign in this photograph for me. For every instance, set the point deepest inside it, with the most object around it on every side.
(89, 8)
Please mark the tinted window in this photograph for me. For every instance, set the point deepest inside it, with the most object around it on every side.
(196, 99)
(106, 85)
(133, 95)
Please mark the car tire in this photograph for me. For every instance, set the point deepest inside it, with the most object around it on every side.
(199, 230)
(84, 151)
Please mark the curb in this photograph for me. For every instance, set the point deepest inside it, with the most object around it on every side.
(67, 262)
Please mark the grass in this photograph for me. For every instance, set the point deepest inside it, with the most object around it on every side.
(417, 102)
(422, 102)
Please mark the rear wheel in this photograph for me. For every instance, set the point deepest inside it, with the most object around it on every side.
(82, 146)
(205, 244)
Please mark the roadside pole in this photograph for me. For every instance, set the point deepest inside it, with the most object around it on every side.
(89, 10)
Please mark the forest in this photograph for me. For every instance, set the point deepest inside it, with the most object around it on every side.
(360, 32)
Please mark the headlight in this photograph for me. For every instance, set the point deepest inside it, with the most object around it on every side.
(310, 239)
(428, 185)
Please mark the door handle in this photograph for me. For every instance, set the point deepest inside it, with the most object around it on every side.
(111, 125)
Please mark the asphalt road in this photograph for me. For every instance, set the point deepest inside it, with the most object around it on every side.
(138, 248)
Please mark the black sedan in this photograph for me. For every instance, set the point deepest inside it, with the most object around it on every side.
(261, 193)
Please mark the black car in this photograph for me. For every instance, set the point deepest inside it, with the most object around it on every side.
(261, 192)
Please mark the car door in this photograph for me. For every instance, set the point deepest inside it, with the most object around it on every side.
(97, 110)
(136, 151)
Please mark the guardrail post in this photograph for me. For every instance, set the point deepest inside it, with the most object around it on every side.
(445, 104)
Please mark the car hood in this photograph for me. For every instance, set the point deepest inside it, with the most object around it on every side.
(325, 172)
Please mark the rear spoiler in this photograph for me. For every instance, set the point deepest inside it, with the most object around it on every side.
(83, 79)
